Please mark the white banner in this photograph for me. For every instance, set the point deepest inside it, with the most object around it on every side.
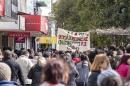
(72, 41)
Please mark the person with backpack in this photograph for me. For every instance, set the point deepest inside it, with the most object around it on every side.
(83, 69)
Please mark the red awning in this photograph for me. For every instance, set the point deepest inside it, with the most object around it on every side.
(18, 34)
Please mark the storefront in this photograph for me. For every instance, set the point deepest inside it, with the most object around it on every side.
(37, 26)
(14, 40)
(20, 39)
(45, 42)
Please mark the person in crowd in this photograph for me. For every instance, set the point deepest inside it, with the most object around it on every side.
(1, 55)
(31, 53)
(128, 49)
(92, 55)
(5, 76)
(75, 58)
(7, 48)
(35, 58)
(109, 78)
(83, 68)
(73, 73)
(54, 72)
(15, 67)
(36, 71)
(25, 64)
(124, 67)
(101, 63)
(117, 58)
(14, 55)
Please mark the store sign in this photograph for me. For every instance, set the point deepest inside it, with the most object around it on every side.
(2, 7)
(44, 25)
(18, 34)
(20, 39)
(36, 23)
(32, 23)
(73, 41)
(46, 40)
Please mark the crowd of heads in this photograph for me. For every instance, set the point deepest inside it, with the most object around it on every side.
(57, 65)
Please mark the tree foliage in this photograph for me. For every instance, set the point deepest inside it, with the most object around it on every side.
(82, 15)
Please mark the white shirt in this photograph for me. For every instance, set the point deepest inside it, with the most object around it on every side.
(25, 64)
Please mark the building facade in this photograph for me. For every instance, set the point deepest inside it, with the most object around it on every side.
(14, 32)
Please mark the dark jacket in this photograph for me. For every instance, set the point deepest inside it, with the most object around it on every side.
(16, 71)
(72, 75)
(35, 75)
(83, 70)
(92, 80)
(8, 83)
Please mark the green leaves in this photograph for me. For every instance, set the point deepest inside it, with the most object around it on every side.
(83, 15)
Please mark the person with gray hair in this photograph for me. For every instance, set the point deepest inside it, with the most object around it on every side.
(25, 64)
(5, 75)
(109, 78)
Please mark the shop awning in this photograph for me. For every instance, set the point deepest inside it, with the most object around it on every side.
(18, 34)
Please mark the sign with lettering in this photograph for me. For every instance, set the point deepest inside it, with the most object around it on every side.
(73, 41)
(2, 7)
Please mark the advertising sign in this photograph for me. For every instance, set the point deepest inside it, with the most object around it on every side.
(32, 23)
(44, 24)
(73, 41)
(36, 23)
(46, 40)
(2, 7)
(20, 39)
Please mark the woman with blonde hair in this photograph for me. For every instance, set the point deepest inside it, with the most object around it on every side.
(100, 63)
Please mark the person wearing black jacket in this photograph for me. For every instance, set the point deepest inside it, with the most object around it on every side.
(100, 63)
(15, 68)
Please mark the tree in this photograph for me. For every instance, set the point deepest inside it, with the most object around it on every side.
(82, 15)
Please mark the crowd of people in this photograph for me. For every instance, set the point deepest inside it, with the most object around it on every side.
(95, 67)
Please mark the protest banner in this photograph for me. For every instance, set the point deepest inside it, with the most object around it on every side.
(72, 41)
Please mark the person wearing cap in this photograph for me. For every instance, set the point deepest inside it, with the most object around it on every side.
(5, 76)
